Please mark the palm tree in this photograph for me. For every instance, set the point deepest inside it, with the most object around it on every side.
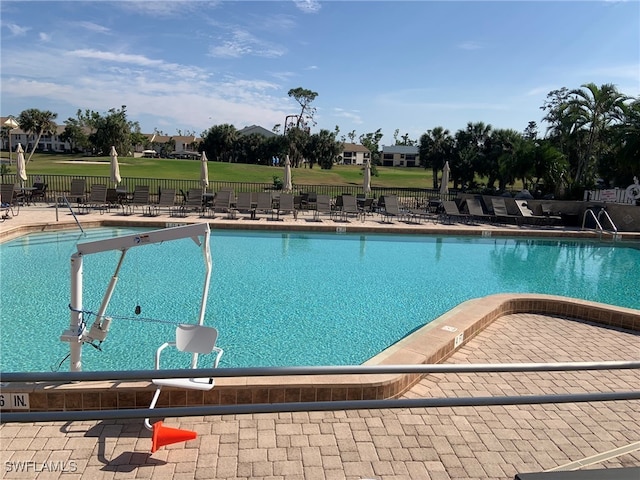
(434, 150)
(37, 123)
(594, 110)
(504, 158)
(629, 139)
(323, 148)
(469, 152)
(220, 141)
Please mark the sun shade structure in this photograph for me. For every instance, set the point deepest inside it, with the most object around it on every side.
(367, 177)
(21, 167)
(444, 183)
(115, 168)
(204, 171)
(287, 184)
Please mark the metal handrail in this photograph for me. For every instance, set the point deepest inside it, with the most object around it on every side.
(584, 219)
(66, 201)
(613, 225)
(64, 377)
(67, 416)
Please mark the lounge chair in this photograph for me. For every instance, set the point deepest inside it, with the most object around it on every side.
(476, 211)
(367, 206)
(416, 215)
(193, 339)
(450, 213)
(391, 208)
(222, 204)
(286, 205)
(78, 191)
(537, 216)
(323, 205)
(140, 199)
(9, 201)
(264, 203)
(39, 192)
(309, 201)
(97, 199)
(113, 199)
(192, 203)
(167, 199)
(501, 213)
(349, 208)
(244, 204)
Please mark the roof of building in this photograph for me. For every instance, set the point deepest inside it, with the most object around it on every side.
(406, 149)
(153, 137)
(354, 147)
(256, 129)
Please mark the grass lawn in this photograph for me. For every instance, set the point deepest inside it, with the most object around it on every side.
(226, 172)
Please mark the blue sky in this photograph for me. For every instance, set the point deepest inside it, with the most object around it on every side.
(394, 65)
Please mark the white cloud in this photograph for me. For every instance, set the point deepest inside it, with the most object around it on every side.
(469, 45)
(93, 27)
(537, 91)
(243, 43)
(308, 6)
(115, 57)
(140, 62)
(44, 37)
(164, 8)
(17, 30)
(283, 76)
(279, 23)
(630, 71)
(353, 116)
(183, 96)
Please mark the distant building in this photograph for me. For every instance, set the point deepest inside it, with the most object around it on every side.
(354, 154)
(47, 143)
(256, 129)
(177, 146)
(400, 156)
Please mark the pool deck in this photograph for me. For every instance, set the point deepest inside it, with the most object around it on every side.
(435, 443)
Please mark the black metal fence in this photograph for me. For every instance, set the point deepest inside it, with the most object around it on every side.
(59, 185)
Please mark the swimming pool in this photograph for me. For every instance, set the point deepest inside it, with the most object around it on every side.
(281, 299)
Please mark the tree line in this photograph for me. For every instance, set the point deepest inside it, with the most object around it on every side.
(593, 133)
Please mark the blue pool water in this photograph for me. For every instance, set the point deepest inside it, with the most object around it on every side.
(281, 299)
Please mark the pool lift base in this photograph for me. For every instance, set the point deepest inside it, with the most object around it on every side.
(77, 334)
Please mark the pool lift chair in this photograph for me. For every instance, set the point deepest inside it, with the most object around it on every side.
(192, 338)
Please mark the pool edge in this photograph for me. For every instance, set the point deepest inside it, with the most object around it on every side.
(433, 343)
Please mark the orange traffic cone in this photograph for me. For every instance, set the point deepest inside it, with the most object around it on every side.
(166, 436)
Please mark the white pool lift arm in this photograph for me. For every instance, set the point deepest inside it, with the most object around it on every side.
(77, 333)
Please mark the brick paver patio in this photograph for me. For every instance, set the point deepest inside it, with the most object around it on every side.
(439, 443)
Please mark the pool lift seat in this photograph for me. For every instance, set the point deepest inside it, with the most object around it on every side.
(194, 339)
(197, 340)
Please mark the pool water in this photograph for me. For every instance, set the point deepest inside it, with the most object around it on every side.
(283, 299)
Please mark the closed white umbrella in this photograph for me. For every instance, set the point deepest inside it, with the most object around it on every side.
(204, 171)
(287, 184)
(21, 166)
(367, 177)
(115, 168)
(444, 184)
